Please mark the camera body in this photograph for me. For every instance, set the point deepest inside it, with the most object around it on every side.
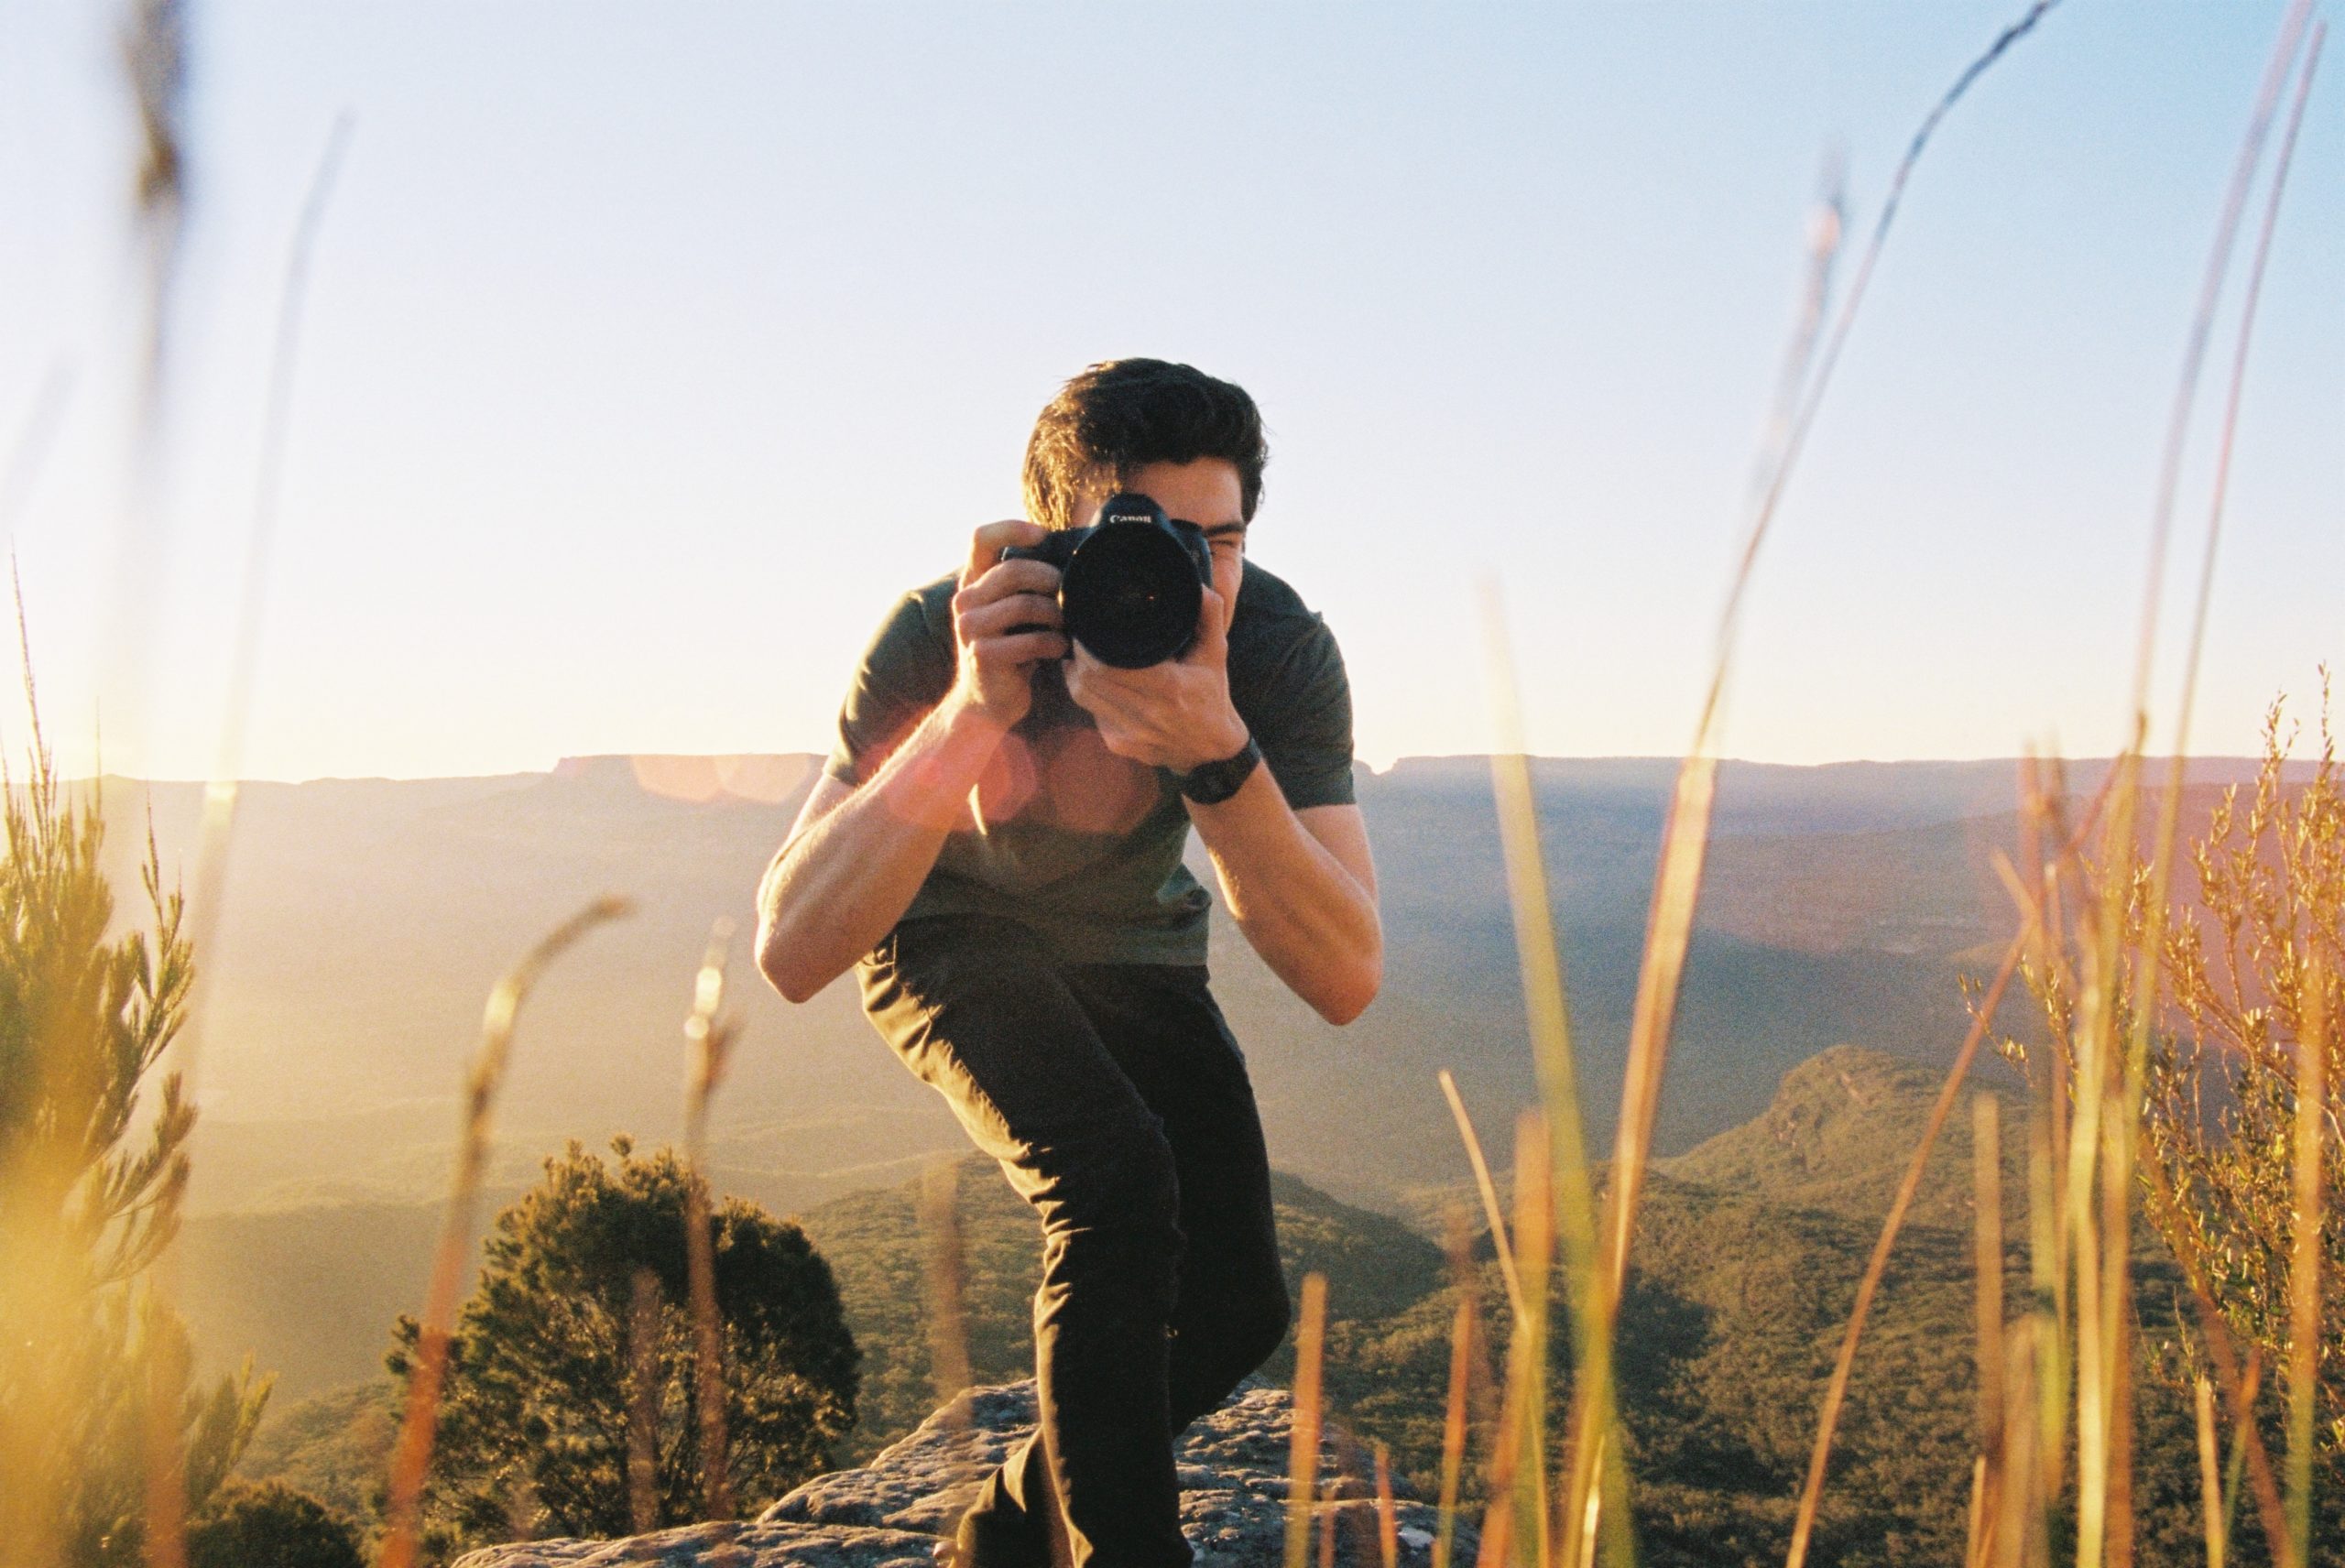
(1131, 585)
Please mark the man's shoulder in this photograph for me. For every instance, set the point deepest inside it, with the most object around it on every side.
(1270, 612)
(921, 615)
(935, 599)
(1286, 677)
(1277, 639)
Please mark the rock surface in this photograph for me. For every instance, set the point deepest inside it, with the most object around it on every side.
(891, 1513)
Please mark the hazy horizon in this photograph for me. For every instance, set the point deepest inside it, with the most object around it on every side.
(2196, 759)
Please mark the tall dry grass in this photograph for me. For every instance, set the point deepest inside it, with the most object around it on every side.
(1303, 1458)
(1589, 1519)
(709, 1036)
(2055, 1397)
(412, 1455)
(2055, 1388)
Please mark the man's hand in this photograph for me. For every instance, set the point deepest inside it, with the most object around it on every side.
(1175, 715)
(1005, 621)
(852, 866)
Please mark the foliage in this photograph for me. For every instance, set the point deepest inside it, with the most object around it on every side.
(91, 1175)
(548, 1367)
(1747, 1253)
(270, 1524)
(2240, 972)
(335, 1446)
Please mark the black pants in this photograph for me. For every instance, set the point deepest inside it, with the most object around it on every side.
(1119, 1107)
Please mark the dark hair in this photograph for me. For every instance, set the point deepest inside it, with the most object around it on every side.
(1119, 417)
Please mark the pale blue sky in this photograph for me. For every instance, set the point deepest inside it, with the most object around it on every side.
(653, 348)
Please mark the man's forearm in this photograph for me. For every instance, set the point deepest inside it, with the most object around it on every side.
(1311, 918)
(848, 875)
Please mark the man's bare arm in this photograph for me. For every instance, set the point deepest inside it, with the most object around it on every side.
(1301, 887)
(1301, 884)
(857, 856)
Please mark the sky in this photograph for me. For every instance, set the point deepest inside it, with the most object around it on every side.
(648, 352)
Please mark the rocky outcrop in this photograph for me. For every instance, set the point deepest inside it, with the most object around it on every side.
(891, 1513)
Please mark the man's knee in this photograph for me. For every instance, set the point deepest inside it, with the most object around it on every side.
(1118, 1186)
(1259, 1316)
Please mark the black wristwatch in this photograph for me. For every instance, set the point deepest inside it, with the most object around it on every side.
(1211, 783)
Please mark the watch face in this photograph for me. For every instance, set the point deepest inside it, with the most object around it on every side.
(1211, 783)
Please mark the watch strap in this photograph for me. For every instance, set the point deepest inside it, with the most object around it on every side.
(1211, 783)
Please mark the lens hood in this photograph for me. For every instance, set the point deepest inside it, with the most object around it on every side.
(1134, 583)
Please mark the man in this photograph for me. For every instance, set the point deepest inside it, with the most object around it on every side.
(996, 845)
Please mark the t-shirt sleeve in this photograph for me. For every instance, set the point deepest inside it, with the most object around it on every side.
(905, 672)
(1303, 723)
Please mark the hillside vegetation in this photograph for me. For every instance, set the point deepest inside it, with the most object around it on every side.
(1746, 1261)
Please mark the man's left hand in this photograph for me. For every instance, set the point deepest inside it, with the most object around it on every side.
(1175, 715)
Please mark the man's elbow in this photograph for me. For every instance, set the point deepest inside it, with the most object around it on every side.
(1353, 990)
(781, 961)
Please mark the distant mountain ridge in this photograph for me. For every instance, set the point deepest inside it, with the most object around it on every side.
(365, 921)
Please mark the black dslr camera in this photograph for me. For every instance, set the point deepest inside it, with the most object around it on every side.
(1131, 584)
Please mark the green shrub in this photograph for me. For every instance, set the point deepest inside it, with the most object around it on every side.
(270, 1524)
(91, 1174)
(552, 1361)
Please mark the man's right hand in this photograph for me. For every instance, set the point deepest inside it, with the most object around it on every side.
(852, 866)
(1005, 621)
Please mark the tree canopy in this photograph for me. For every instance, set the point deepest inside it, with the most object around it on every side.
(568, 1406)
(91, 1174)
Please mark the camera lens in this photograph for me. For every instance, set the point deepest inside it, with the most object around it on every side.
(1130, 594)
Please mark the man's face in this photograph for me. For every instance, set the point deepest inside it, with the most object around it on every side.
(1207, 493)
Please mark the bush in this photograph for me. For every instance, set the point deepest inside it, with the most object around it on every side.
(92, 1173)
(270, 1524)
(2239, 969)
(561, 1368)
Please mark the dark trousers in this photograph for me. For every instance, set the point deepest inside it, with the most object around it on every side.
(1119, 1107)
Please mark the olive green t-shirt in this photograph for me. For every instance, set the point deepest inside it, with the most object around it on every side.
(1084, 848)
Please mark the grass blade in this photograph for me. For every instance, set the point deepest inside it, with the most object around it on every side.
(710, 1040)
(1303, 1462)
(1669, 933)
(1488, 1189)
(2017, 1532)
(1387, 1514)
(2110, 1086)
(1975, 1540)
(1684, 840)
(2202, 326)
(948, 1338)
(1528, 1358)
(2210, 1476)
(217, 824)
(2235, 1471)
(1566, 1197)
(2303, 1266)
(2228, 443)
(1987, 1204)
(412, 1458)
